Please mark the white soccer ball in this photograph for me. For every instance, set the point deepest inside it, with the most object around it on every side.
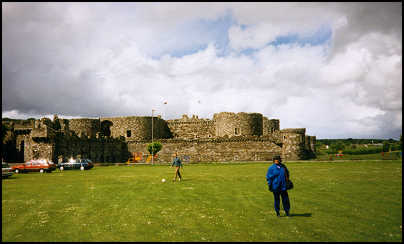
(163, 180)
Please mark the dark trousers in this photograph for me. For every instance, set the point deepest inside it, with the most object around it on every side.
(177, 172)
(285, 201)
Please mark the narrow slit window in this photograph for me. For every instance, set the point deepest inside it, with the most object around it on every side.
(128, 133)
(236, 131)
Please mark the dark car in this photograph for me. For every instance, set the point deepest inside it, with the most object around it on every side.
(41, 165)
(6, 171)
(76, 164)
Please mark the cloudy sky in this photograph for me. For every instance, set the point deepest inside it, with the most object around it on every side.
(332, 68)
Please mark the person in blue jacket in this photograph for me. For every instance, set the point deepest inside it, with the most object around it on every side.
(277, 176)
(177, 163)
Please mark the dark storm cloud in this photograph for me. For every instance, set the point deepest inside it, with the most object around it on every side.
(365, 18)
(44, 67)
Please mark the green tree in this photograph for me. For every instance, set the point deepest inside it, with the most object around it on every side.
(336, 146)
(154, 147)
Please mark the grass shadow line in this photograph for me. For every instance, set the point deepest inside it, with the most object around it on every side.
(301, 215)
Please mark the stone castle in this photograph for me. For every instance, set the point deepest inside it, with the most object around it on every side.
(226, 137)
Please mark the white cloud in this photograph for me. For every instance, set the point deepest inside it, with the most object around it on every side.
(121, 59)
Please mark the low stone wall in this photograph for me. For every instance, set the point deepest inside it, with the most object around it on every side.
(210, 150)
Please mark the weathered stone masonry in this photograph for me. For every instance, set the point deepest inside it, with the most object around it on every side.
(227, 137)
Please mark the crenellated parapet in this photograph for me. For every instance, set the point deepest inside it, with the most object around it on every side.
(191, 128)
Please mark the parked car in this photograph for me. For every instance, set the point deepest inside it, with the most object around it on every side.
(76, 164)
(41, 165)
(6, 171)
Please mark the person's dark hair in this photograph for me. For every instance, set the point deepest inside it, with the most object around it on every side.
(277, 157)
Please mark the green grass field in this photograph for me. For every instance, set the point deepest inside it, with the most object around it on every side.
(331, 201)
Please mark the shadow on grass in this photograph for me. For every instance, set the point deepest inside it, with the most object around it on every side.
(9, 178)
(301, 215)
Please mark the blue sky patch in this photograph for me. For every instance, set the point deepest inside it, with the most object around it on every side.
(212, 31)
(320, 37)
(216, 31)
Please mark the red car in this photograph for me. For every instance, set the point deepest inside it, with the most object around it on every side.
(41, 165)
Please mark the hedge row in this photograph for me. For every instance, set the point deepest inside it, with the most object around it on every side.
(364, 150)
(358, 151)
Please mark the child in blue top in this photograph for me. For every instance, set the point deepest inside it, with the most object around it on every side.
(177, 163)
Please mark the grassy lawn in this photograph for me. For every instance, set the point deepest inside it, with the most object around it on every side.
(331, 201)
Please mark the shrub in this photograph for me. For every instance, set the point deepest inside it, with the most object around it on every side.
(154, 147)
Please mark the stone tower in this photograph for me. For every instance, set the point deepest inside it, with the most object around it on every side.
(240, 124)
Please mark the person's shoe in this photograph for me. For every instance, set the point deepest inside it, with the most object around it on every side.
(287, 214)
(277, 214)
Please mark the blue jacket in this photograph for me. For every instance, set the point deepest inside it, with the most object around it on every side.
(276, 177)
(177, 162)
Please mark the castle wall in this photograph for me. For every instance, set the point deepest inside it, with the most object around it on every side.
(40, 148)
(84, 127)
(293, 144)
(98, 150)
(191, 128)
(240, 124)
(228, 137)
(313, 143)
(219, 150)
(269, 126)
(64, 125)
(307, 142)
(140, 127)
